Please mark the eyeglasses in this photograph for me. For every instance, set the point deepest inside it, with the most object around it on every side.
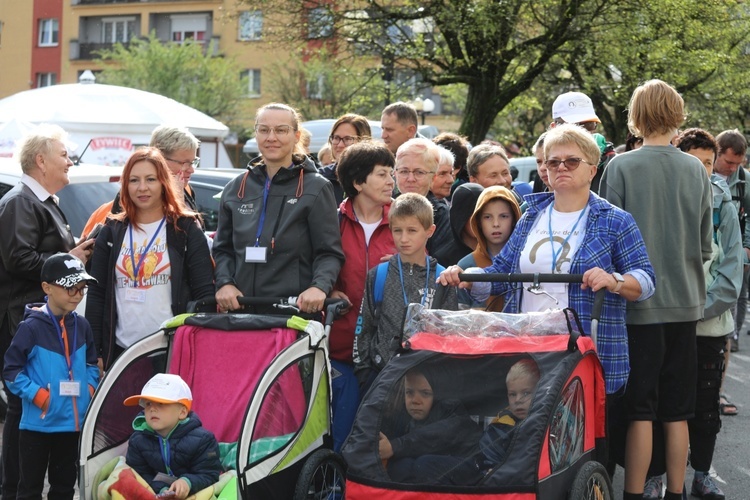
(73, 291)
(187, 163)
(418, 174)
(570, 163)
(279, 131)
(348, 139)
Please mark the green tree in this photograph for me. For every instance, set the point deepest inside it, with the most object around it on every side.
(698, 46)
(497, 48)
(187, 73)
(321, 84)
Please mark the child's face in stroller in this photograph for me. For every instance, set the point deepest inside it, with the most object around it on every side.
(520, 394)
(163, 417)
(418, 396)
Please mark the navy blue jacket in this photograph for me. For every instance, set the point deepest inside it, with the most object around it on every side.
(192, 450)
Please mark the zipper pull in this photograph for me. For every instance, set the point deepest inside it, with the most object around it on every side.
(411, 269)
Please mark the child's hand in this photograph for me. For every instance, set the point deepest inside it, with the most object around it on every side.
(181, 488)
(384, 447)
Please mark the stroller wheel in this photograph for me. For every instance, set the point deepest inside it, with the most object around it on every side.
(591, 483)
(322, 477)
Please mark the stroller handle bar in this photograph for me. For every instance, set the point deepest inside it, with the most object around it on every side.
(536, 279)
(331, 306)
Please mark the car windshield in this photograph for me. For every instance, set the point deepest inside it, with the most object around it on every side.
(78, 201)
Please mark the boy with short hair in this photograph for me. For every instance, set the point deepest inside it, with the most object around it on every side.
(493, 221)
(51, 366)
(410, 278)
(167, 422)
(521, 383)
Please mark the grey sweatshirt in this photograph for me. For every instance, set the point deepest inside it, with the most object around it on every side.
(669, 195)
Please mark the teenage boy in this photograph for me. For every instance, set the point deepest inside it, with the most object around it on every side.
(410, 278)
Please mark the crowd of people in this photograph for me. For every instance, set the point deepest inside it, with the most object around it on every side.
(660, 227)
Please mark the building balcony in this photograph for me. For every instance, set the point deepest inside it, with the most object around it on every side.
(86, 51)
(102, 2)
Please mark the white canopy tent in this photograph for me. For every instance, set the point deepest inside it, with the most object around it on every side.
(10, 133)
(113, 120)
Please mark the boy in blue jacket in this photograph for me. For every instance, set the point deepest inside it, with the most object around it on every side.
(51, 366)
(170, 448)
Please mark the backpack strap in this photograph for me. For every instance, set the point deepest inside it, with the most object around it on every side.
(380, 274)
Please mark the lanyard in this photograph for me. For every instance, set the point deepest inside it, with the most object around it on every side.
(69, 352)
(145, 250)
(556, 254)
(426, 283)
(165, 454)
(262, 221)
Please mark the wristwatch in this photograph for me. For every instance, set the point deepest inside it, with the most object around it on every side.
(620, 280)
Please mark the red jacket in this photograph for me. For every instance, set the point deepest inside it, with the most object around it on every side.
(359, 259)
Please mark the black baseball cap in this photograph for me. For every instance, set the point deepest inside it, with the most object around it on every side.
(65, 270)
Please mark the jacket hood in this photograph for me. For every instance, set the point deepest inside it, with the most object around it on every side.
(38, 311)
(720, 190)
(481, 255)
(462, 206)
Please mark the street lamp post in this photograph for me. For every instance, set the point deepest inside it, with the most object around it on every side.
(424, 107)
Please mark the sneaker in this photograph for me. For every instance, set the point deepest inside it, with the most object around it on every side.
(654, 488)
(705, 487)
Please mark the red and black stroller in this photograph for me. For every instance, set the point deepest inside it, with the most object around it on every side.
(555, 452)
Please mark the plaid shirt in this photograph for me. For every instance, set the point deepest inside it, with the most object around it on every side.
(612, 242)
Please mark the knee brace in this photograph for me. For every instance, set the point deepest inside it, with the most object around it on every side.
(707, 396)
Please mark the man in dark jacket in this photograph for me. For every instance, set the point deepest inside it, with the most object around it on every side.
(167, 428)
(34, 229)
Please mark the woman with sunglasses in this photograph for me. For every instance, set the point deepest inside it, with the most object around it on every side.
(149, 260)
(349, 129)
(572, 230)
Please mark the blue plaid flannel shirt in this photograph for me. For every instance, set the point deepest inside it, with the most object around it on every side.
(612, 242)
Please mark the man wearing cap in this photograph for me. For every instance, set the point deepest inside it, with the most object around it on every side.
(576, 107)
(34, 228)
(51, 367)
(167, 422)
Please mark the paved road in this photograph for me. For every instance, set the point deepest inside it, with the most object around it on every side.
(732, 457)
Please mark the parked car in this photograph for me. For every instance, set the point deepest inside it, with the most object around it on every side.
(319, 130)
(90, 187)
(207, 186)
(526, 168)
(428, 131)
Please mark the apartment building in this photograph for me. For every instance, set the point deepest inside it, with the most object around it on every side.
(44, 42)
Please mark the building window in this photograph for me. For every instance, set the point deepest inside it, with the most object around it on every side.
(316, 87)
(48, 32)
(250, 25)
(252, 76)
(45, 79)
(190, 27)
(116, 29)
(319, 23)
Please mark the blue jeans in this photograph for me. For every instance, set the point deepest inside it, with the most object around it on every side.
(345, 396)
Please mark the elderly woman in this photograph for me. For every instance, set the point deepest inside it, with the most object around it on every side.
(365, 171)
(34, 228)
(349, 129)
(278, 234)
(574, 231)
(417, 162)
